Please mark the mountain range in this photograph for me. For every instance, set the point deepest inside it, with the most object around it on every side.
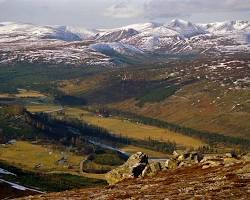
(28, 43)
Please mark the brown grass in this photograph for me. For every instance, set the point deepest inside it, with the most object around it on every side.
(133, 130)
(42, 108)
(203, 106)
(133, 149)
(22, 93)
(27, 155)
(74, 87)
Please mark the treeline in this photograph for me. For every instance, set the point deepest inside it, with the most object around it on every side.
(208, 137)
(12, 124)
(105, 135)
(68, 128)
(157, 95)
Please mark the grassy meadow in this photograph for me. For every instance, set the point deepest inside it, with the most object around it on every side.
(43, 108)
(130, 129)
(28, 156)
(153, 154)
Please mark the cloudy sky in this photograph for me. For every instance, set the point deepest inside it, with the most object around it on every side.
(115, 13)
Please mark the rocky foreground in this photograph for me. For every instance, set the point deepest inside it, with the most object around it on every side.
(185, 176)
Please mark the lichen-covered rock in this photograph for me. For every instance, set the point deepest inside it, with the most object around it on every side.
(212, 158)
(163, 165)
(185, 163)
(171, 164)
(189, 156)
(232, 154)
(177, 153)
(131, 169)
(230, 160)
(155, 167)
(181, 157)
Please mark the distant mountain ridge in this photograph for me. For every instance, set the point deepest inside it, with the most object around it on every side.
(176, 37)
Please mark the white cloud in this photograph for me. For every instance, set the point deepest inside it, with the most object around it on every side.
(179, 8)
(123, 9)
(114, 13)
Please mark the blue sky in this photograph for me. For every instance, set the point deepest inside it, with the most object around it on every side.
(115, 13)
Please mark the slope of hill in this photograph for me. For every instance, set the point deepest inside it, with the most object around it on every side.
(197, 181)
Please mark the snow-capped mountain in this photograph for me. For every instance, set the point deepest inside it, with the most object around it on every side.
(226, 27)
(30, 32)
(20, 42)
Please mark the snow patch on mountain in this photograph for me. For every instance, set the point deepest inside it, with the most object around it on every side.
(160, 32)
(21, 28)
(62, 33)
(116, 47)
(30, 31)
(141, 27)
(117, 35)
(185, 28)
(81, 32)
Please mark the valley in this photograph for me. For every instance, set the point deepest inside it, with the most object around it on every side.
(76, 103)
(135, 130)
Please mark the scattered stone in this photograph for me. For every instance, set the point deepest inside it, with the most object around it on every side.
(62, 161)
(211, 163)
(244, 170)
(233, 154)
(37, 166)
(205, 166)
(212, 158)
(230, 160)
(229, 155)
(138, 165)
(12, 142)
(184, 164)
(246, 157)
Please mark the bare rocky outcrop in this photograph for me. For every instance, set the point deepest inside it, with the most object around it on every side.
(138, 164)
(188, 182)
(133, 168)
